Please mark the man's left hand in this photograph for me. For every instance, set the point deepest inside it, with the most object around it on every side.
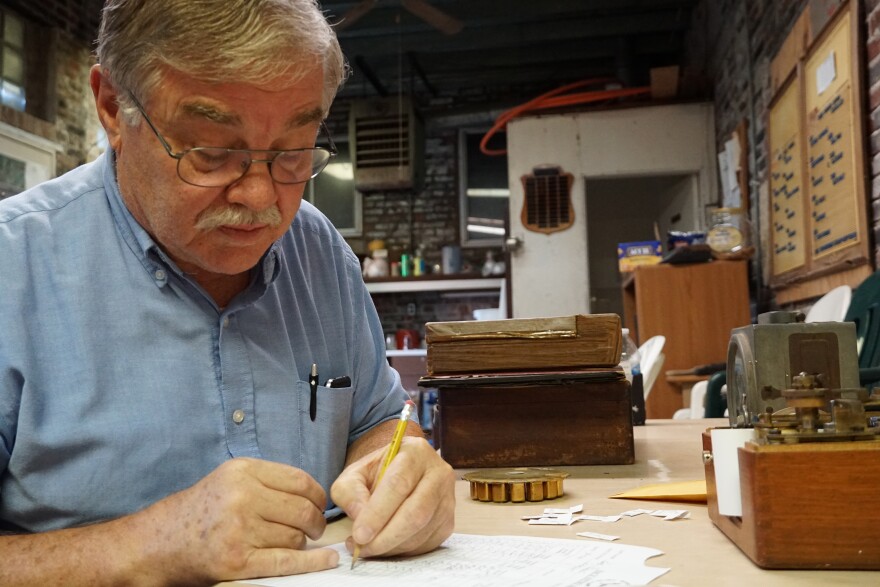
(411, 511)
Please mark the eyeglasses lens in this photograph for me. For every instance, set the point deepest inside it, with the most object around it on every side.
(204, 166)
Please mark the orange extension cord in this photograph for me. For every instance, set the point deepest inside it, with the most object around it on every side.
(552, 99)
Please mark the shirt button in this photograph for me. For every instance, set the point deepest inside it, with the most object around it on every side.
(160, 274)
(238, 416)
(226, 322)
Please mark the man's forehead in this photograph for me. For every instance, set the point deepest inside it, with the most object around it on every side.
(199, 108)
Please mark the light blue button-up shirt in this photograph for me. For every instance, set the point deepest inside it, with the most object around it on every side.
(122, 382)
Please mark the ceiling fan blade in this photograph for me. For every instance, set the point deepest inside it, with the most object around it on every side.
(440, 20)
(353, 14)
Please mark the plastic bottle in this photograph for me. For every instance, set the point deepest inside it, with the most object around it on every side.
(489, 264)
(629, 358)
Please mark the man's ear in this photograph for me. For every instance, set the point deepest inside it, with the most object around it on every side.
(108, 108)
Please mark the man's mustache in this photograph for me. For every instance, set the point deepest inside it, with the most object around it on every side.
(237, 215)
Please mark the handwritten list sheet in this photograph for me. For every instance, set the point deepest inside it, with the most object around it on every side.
(466, 560)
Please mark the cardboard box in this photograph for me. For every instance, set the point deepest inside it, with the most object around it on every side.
(664, 82)
(631, 255)
(534, 419)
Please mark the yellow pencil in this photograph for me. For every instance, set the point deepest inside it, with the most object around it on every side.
(393, 448)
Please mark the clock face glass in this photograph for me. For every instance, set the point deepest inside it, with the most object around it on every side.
(739, 379)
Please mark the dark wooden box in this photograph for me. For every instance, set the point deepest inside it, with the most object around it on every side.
(534, 420)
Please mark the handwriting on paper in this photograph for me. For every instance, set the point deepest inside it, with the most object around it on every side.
(466, 560)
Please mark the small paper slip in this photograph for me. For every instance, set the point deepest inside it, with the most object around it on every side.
(572, 510)
(608, 537)
(633, 513)
(671, 514)
(554, 520)
(556, 516)
(600, 518)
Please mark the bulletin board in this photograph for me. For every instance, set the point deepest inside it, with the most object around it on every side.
(818, 206)
(786, 181)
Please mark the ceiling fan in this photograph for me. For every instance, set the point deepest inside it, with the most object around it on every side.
(435, 17)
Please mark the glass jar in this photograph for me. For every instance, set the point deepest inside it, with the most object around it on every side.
(728, 230)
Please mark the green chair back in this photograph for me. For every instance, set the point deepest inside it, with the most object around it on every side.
(715, 403)
(864, 310)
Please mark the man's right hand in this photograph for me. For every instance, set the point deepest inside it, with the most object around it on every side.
(248, 518)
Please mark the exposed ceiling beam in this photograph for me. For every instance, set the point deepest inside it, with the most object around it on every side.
(364, 69)
(417, 68)
(498, 12)
(515, 36)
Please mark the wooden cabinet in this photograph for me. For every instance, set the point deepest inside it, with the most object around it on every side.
(695, 307)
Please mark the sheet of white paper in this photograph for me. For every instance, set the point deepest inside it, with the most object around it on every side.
(671, 514)
(553, 520)
(725, 459)
(825, 73)
(572, 510)
(466, 560)
(732, 196)
(724, 175)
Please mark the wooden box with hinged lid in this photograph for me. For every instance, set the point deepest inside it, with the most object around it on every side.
(534, 419)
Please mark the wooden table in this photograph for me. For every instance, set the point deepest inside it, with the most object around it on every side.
(684, 384)
(697, 553)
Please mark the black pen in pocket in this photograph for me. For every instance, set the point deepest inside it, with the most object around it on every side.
(313, 392)
(344, 381)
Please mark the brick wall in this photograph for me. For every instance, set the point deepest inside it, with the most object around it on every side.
(744, 37)
(733, 43)
(78, 18)
(406, 220)
(413, 310)
(76, 124)
(872, 41)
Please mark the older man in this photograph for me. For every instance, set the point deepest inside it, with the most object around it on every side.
(162, 309)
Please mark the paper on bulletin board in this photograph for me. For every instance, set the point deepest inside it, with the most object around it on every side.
(825, 73)
(724, 175)
(733, 194)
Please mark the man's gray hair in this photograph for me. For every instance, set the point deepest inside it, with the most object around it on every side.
(216, 41)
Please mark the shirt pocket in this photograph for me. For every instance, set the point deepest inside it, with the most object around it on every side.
(324, 441)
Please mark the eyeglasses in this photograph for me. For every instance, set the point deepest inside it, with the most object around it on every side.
(212, 167)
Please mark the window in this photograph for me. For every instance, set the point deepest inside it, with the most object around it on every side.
(333, 193)
(484, 189)
(25, 160)
(12, 174)
(12, 61)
